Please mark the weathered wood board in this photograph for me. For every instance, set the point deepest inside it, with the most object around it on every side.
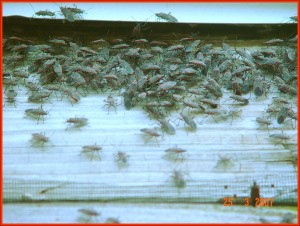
(223, 158)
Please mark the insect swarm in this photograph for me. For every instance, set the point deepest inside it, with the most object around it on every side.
(153, 90)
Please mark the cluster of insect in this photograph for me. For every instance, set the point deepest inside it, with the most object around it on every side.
(92, 216)
(74, 13)
(187, 77)
(70, 14)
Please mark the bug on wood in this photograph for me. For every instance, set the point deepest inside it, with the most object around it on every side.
(178, 179)
(224, 163)
(274, 42)
(213, 90)
(39, 139)
(166, 126)
(280, 100)
(264, 121)
(112, 220)
(120, 46)
(88, 215)
(17, 39)
(233, 112)
(21, 74)
(91, 150)
(189, 120)
(44, 191)
(177, 97)
(73, 96)
(215, 112)
(166, 17)
(157, 49)
(280, 137)
(241, 100)
(128, 99)
(151, 133)
(52, 87)
(193, 105)
(137, 30)
(282, 114)
(198, 63)
(111, 102)
(44, 12)
(175, 154)
(77, 79)
(10, 96)
(121, 159)
(154, 112)
(13, 60)
(36, 113)
(159, 43)
(284, 88)
(21, 49)
(10, 82)
(68, 14)
(39, 96)
(211, 102)
(189, 71)
(77, 122)
(112, 80)
(293, 115)
(75, 10)
(150, 67)
(260, 86)
(166, 86)
(272, 110)
(58, 42)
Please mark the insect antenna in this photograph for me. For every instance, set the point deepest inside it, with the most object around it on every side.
(32, 8)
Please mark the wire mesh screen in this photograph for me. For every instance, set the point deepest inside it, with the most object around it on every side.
(282, 188)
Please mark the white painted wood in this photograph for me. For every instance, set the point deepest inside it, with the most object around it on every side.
(67, 212)
(252, 155)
